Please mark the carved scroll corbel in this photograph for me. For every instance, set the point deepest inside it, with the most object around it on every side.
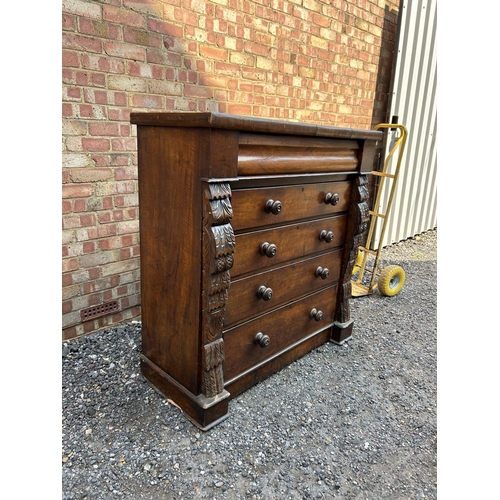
(218, 249)
(359, 213)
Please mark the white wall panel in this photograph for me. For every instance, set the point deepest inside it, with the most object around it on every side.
(413, 100)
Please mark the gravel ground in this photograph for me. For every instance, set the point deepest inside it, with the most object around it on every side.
(351, 421)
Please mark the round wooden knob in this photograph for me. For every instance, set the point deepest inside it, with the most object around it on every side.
(326, 236)
(273, 207)
(332, 199)
(261, 339)
(268, 249)
(323, 273)
(265, 293)
(317, 315)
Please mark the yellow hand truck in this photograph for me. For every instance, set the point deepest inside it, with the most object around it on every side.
(390, 279)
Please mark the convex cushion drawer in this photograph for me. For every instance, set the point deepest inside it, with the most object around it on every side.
(261, 154)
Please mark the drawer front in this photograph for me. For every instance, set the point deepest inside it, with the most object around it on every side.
(257, 294)
(258, 250)
(284, 327)
(267, 206)
(278, 155)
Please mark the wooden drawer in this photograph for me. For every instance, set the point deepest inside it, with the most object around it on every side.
(284, 327)
(277, 155)
(291, 242)
(286, 283)
(256, 207)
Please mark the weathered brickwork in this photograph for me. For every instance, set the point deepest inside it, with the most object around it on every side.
(326, 62)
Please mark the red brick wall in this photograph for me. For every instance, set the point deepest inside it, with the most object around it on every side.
(326, 62)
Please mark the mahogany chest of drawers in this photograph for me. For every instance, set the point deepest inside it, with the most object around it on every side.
(249, 230)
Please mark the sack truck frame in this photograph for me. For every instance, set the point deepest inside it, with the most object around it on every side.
(390, 279)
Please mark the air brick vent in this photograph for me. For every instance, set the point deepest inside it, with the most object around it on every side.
(99, 310)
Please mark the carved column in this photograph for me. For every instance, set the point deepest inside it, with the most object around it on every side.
(359, 220)
(218, 249)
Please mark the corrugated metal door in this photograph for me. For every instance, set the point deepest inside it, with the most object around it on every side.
(413, 101)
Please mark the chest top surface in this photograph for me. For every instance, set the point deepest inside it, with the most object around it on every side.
(249, 124)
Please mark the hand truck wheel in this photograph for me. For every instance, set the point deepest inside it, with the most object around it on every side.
(391, 280)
